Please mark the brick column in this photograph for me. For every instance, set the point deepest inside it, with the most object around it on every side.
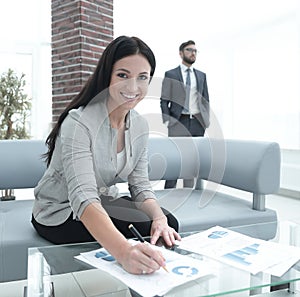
(80, 32)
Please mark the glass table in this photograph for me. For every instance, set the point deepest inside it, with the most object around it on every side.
(53, 271)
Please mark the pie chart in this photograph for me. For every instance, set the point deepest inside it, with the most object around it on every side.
(185, 270)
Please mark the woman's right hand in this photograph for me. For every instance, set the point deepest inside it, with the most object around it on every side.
(141, 259)
(136, 259)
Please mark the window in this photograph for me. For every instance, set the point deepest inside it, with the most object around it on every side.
(27, 50)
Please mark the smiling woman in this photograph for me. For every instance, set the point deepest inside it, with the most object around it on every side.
(98, 140)
(129, 85)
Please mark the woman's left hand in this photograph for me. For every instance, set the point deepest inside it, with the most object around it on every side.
(160, 228)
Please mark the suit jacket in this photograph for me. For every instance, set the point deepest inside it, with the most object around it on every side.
(173, 96)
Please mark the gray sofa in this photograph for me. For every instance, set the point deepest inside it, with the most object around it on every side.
(250, 166)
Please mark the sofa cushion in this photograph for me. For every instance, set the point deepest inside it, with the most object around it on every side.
(201, 209)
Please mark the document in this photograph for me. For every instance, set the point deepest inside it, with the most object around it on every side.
(182, 269)
(241, 251)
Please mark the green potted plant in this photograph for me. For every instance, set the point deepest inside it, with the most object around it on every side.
(15, 106)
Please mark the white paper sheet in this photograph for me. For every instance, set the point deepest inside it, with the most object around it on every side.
(181, 269)
(241, 251)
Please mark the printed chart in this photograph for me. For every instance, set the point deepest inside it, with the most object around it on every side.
(181, 269)
(241, 251)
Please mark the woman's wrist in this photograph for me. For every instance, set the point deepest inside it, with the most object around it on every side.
(160, 217)
(122, 251)
(153, 210)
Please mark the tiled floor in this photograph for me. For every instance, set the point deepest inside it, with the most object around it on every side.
(287, 208)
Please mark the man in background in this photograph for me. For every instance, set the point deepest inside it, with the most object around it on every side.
(184, 100)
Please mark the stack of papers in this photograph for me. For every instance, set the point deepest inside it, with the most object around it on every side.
(182, 269)
(241, 251)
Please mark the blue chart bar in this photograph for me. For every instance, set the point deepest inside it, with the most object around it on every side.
(241, 255)
(104, 256)
(217, 234)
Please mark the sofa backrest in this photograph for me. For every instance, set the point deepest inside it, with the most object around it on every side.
(253, 166)
(21, 165)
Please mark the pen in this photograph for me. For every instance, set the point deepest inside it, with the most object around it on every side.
(137, 234)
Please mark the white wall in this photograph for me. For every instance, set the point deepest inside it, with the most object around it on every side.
(249, 50)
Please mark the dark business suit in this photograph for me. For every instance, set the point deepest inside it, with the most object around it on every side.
(172, 101)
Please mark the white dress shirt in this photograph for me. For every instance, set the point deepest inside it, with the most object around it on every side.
(193, 102)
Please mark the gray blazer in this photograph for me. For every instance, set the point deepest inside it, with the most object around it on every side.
(84, 162)
(173, 96)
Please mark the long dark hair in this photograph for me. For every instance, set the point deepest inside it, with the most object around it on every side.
(119, 48)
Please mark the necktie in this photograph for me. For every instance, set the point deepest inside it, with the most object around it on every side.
(187, 90)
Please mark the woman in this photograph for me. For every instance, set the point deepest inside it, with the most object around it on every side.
(99, 140)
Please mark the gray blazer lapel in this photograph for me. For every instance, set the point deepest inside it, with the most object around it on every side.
(199, 81)
(179, 74)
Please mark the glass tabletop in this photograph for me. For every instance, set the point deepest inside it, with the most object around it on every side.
(54, 270)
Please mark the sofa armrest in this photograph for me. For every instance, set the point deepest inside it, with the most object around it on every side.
(252, 166)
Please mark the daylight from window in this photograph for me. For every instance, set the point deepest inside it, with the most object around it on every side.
(250, 51)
